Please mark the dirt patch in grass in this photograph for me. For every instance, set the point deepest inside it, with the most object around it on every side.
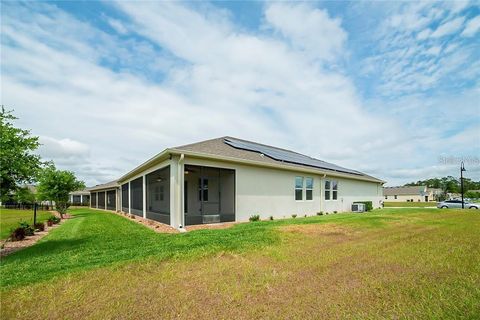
(327, 230)
(223, 225)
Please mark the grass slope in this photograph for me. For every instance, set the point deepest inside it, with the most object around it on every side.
(392, 263)
(9, 219)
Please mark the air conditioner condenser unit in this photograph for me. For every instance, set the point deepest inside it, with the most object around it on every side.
(358, 207)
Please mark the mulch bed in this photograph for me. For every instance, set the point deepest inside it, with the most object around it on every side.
(13, 246)
(154, 225)
(223, 225)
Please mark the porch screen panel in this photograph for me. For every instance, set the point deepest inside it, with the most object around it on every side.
(158, 195)
(209, 195)
(101, 200)
(137, 196)
(111, 200)
(86, 200)
(76, 200)
(125, 197)
(227, 195)
(94, 200)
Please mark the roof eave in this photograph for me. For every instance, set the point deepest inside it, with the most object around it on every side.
(150, 162)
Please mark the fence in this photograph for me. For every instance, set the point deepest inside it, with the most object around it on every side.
(26, 206)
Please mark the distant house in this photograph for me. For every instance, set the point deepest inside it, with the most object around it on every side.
(410, 194)
(80, 197)
(229, 179)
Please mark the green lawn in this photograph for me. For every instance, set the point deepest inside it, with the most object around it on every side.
(410, 204)
(391, 263)
(9, 219)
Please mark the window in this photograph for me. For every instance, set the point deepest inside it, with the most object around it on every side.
(334, 190)
(298, 188)
(331, 189)
(309, 188)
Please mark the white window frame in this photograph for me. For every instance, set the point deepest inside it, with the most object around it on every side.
(302, 188)
(309, 189)
(330, 190)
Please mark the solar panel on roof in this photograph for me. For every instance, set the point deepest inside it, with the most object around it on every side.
(287, 156)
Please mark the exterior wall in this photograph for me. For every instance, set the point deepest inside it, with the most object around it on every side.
(350, 191)
(404, 198)
(271, 192)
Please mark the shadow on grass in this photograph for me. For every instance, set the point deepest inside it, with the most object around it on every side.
(44, 249)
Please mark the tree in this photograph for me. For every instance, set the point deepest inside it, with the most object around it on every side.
(25, 195)
(55, 185)
(18, 164)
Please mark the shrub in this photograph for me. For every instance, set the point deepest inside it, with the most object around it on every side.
(326, 213)
(271, 218)
(305, 216)
(28, 229)
(294, 216)
(335, 211)
(254, 217)
(54, 219)
(18, 234)
(40, 226)
(320, 213)
(368, 205)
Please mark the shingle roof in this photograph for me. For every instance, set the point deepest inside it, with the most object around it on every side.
(108, 185)
(403, 191)
(218, 147)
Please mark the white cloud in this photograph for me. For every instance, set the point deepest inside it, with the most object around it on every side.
(472, 27)
(309, 29)
(448, 27)
(117, 25)
(434, 51)
(424, 34)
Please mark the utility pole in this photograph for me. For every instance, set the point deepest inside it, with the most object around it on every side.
(462, 168)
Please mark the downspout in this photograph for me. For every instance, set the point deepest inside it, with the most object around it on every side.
(180, 193)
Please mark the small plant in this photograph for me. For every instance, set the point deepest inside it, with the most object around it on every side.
(320, 213)
(335, 211)
(326, 213)
(254, 217)
(53, 220)
(271, 217)
(294, 215)
(40, 226)
(132, 216)
(18, 234)
(305, 216)
(28, 229)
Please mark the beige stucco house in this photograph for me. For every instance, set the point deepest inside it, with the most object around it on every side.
(410, 194)
(229, 179)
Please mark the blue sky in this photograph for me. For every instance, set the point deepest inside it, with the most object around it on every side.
(388, 88)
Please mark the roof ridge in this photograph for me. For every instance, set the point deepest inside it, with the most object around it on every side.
(191, 144)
